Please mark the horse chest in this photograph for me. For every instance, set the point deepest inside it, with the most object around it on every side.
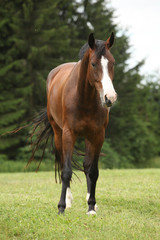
(85, 124)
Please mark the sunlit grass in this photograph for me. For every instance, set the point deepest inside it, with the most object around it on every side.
(128, 201)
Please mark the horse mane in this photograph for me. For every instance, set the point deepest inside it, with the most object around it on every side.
(99, 43)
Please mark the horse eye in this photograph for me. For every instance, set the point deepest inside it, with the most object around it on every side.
(93, 64)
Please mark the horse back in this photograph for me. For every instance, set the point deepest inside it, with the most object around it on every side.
(63, 69)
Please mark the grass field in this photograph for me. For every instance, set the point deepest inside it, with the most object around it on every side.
(128, 201)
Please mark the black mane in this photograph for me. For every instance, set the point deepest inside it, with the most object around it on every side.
(100, 49)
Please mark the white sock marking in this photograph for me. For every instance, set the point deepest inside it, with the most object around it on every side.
(87, 197)
(96, 207)
(69, 198)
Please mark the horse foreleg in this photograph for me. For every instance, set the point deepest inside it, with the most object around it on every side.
(67, 143)
(91, 171)
(95, 206)
(69, 198)
(92, 175)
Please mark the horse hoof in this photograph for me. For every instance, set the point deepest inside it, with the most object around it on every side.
(61, 212)
(92, 212)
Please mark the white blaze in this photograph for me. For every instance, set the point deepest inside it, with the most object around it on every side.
(108, 89)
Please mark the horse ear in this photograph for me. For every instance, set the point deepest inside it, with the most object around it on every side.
(91, 41)
(110, 40)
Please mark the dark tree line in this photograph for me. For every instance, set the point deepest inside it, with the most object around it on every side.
(35, 37)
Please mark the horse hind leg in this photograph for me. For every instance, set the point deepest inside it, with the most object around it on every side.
(58, 149)
(59, 161)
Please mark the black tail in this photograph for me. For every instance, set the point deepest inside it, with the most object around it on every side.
(40, 134)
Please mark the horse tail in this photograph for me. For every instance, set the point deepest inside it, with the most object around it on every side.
(40, 134)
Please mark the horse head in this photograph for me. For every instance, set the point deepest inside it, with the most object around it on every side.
(101, 69)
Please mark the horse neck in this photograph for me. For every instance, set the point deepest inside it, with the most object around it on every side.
(85, 90)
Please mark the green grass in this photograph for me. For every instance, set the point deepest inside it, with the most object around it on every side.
(128, 200)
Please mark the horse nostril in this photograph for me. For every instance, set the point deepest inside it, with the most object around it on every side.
(108, 102)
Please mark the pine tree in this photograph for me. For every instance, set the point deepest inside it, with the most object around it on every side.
(35, 38)
(12, 106)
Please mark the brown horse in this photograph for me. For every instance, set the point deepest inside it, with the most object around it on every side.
(79, 96)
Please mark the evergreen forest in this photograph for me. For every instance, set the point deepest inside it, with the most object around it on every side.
(35, 37)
